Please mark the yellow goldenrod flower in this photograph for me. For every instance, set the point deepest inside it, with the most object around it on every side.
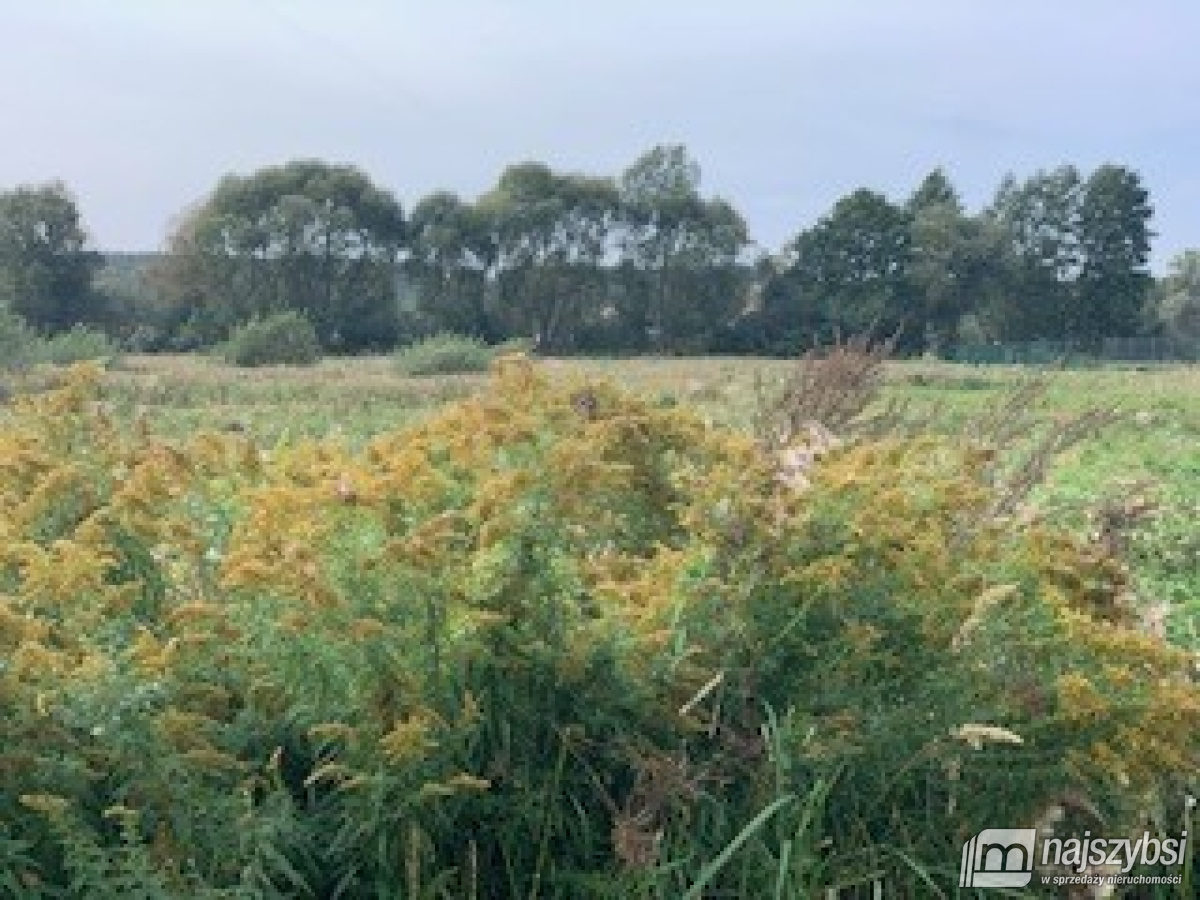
(408, 740)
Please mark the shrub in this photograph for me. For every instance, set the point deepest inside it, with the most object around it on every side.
(443, 354)
(21, 347)
(80, 344)
(18, 342)
(555, 641)
(282, 339)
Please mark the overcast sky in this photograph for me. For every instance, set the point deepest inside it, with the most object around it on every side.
(141, 105)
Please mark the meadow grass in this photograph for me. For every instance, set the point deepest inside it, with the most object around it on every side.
(1149, 451)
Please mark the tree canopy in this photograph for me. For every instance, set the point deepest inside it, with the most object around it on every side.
(308, 236)
(848, 274)
(642, 260)
(46, 264)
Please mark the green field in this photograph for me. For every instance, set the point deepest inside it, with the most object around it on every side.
(1151, 450)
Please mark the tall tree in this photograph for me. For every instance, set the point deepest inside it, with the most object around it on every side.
(550, 233)
(307, 236)
(450, 256)
(939, 243)
(849, 274)
(1114, 250)
(46, 266)
(1040, 218)
(679, 251)
(1176, 307)
(664, 172)
(935, 191)
(958, 262)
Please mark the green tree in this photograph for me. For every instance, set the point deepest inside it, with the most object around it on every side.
(1114, 250)
(679, 252)
(307, 236)
(664, 172)
(847, 275)
(450, 256)
(135, 311)
(935, 190)
(46, 266)
(939, 243)
(1176, 302)
(550, 233)
(1040, 219)
(958, 262)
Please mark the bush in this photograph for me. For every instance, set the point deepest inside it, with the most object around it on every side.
(555, 641)
(80, 344)
(282, 339)
(18, 342)
(21, 346)
(443, 354)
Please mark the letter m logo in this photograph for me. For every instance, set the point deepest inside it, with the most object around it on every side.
(998, 857)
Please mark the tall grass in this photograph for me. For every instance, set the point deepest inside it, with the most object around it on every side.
(553, 641)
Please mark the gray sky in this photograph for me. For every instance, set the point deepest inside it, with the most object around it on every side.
(141, 105)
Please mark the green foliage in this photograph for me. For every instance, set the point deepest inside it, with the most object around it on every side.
(636, 262)
(18, 342)
(957, 267)
(935, 191)
(547, 236)
(442, 354)
(679, 275)
(1078, 251)
(450, 249)
(22, 346)
(554, 642)
(286, 338)
(1038, 217)
(535, 256)
(1114, 244)
(141, 316)
(1175, 308)
(79, 344)
(849, 274)
(46, 266)
(319, 239)
(1056, 256)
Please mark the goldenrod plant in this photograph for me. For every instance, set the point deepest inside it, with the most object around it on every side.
(553, 642)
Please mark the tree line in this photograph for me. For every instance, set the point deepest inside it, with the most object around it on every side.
(638, 262)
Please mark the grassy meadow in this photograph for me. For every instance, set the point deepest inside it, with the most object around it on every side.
(1151, 450)
(564, 630)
